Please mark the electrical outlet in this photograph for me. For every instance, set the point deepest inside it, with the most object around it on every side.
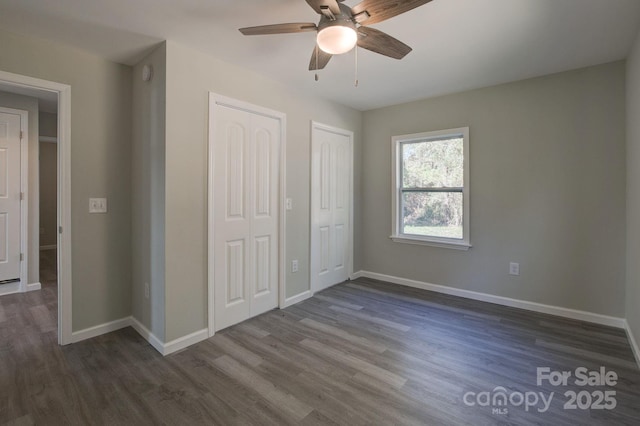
(146, 290)
(514, 268)
(294, 266)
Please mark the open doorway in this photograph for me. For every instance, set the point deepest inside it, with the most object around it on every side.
(52, 276)
(48, 195)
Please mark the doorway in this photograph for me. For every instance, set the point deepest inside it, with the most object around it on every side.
(38, 88)
(331, 206)
(246, 225)
(48, 195)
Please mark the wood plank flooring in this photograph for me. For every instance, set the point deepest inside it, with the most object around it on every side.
(363, 352)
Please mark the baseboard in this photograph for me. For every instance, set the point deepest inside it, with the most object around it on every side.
(147, 335)
(16, 287)
(88, 333)
(11, 288)
(633, 342)
(172, 346)
(163, 348)
(499, 300)
(185, 341)
(33, 287)
(49, 247)
(296, 299)
(356, 275)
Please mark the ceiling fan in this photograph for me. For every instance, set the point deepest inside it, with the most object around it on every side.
(341, 28)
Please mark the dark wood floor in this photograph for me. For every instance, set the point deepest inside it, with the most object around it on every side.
(363, 352)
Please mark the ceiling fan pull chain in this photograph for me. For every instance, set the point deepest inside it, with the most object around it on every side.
(356, 49)
(316, 61)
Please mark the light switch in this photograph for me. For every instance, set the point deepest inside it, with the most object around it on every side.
(289, 204)
(97, 205)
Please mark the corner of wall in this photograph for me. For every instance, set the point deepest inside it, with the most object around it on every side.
(632, 288)
(147, 197)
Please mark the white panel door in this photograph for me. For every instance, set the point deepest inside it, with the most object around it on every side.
(9, 196)
(246, 214)
(330, 206)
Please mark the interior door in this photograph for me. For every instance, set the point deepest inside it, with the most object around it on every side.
(330, 206)
(246, 214)
(9, 196)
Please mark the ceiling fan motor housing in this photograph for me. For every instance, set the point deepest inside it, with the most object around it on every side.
(337, 33)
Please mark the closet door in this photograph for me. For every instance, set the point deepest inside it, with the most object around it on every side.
(10, 196)
(330, 206)
(246, 156)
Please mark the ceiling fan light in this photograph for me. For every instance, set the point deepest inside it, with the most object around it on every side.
(337, 39)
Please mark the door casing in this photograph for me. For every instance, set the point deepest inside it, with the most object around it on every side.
(64, 192)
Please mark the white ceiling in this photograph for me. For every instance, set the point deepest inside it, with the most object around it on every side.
(457, 44)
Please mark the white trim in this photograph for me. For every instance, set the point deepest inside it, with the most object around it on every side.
(49, 247)
(504, 301)
(289, 301)
(396, 182)
(147, 335)
(433, 242)
(632, 341)
(98, 330)
(17, 287)
(215, 99)
(24, 205)
(210, 218)
(64, 193)
(65, 305)
(10, 288)
(185, 341)
(48, 139)
(313, 285)
(157, 344)
(356, 275)
(33, 287)
(172, 346)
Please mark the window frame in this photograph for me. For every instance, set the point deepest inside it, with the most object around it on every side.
(396, 206)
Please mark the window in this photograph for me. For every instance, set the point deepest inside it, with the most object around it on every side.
(431, 188)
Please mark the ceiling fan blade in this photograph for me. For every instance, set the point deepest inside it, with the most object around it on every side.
(322, 60)
(319, 5)
(379, 42)
(380, 10)
(298, 27)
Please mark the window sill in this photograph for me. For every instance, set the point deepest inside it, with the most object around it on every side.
(442, 243)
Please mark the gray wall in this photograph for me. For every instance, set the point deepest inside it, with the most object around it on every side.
(48, 194)
(29, 104)
(633, 191)
(547, 190)
(101, 167)
(147, 193)
(48, 126)
(190, 76)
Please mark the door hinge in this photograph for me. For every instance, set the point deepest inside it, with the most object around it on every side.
(21, 257)
(60, 229)
(21, 196)
(21, 134)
